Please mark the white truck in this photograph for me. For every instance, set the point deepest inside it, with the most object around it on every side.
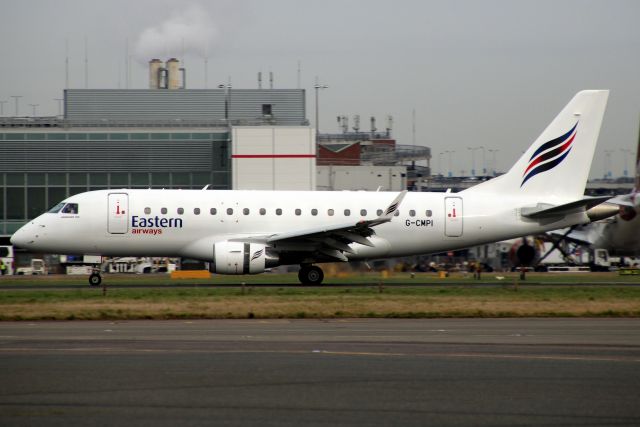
(582, 259)
(37, 266)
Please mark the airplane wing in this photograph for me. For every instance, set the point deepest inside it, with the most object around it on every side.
(330, 242)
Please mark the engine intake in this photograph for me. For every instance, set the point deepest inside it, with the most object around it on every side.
(525, 252)
(242, 258)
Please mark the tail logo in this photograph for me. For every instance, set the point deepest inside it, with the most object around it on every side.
(549, 155)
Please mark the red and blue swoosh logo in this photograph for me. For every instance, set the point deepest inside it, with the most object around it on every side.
(549, 155)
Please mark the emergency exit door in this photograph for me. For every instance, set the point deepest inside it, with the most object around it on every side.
(118, 215)
(453, 216)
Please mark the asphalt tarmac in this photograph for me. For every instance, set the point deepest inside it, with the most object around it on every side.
(445, 372)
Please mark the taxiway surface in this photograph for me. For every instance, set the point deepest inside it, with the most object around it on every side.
(314, 372)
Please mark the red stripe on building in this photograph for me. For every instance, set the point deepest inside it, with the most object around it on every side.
(273, 156)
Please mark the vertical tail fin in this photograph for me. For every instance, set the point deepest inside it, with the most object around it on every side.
(557, 164)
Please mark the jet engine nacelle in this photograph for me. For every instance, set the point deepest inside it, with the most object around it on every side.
(525, 252)
(242, 258)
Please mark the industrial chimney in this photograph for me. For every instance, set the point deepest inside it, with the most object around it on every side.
(169, 76)
(173, 74)
(155, 70)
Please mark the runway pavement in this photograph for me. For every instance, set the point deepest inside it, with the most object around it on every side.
(313, 372)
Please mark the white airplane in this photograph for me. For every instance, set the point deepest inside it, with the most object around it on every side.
(246, 232)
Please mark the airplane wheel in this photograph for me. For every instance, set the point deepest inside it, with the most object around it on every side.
(310, 275)
(95, 280)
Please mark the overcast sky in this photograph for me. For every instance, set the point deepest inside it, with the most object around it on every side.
(490, 73)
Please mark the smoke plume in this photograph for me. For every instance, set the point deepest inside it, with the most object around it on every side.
(188, 31)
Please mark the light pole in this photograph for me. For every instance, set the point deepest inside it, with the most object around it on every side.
(33, 106)
(317, 87)
(450, 152)
(607, 163)
(440, 163)
(2, 107)
(473, 159)
(16, 98)
(626, 153)
(493, 161)
(59, 105)
(227, 100)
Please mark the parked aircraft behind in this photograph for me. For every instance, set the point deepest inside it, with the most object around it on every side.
(247, 232)
(619, 235)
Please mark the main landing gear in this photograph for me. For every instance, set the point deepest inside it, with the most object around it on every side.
(310, 275)
(95, 279)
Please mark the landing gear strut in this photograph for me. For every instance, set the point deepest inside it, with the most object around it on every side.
(310, 275)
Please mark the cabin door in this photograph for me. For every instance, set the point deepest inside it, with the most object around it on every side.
(453, 219)
(118, 215)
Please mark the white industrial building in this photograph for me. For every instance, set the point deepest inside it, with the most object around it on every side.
(273, 158)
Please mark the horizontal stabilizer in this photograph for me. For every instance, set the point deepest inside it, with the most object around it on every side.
(543, 210)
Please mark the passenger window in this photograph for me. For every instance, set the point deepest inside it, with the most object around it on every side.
(180, 211)
(347, 212)
(263, 211)
(147, 211)
(379, 212)
(213, 211)
(278, 211)
(330, 212)
(56, 208)
(363, 212)
(428, 212)
(229, 211)
(163, 211)
(412, 213)
(245, 211)
(70, 208)
(298, 212)
(196, 211)
(314, 212)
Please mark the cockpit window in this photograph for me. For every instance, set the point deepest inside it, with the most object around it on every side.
(56, 208)
(70, 208)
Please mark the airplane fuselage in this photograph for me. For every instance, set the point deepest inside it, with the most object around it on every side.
(171, 222)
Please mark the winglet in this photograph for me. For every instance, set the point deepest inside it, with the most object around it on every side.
(390, 211)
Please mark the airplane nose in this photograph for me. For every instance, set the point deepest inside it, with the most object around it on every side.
(22, 237)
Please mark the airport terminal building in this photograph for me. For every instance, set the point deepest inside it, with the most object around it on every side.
(144, 138)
